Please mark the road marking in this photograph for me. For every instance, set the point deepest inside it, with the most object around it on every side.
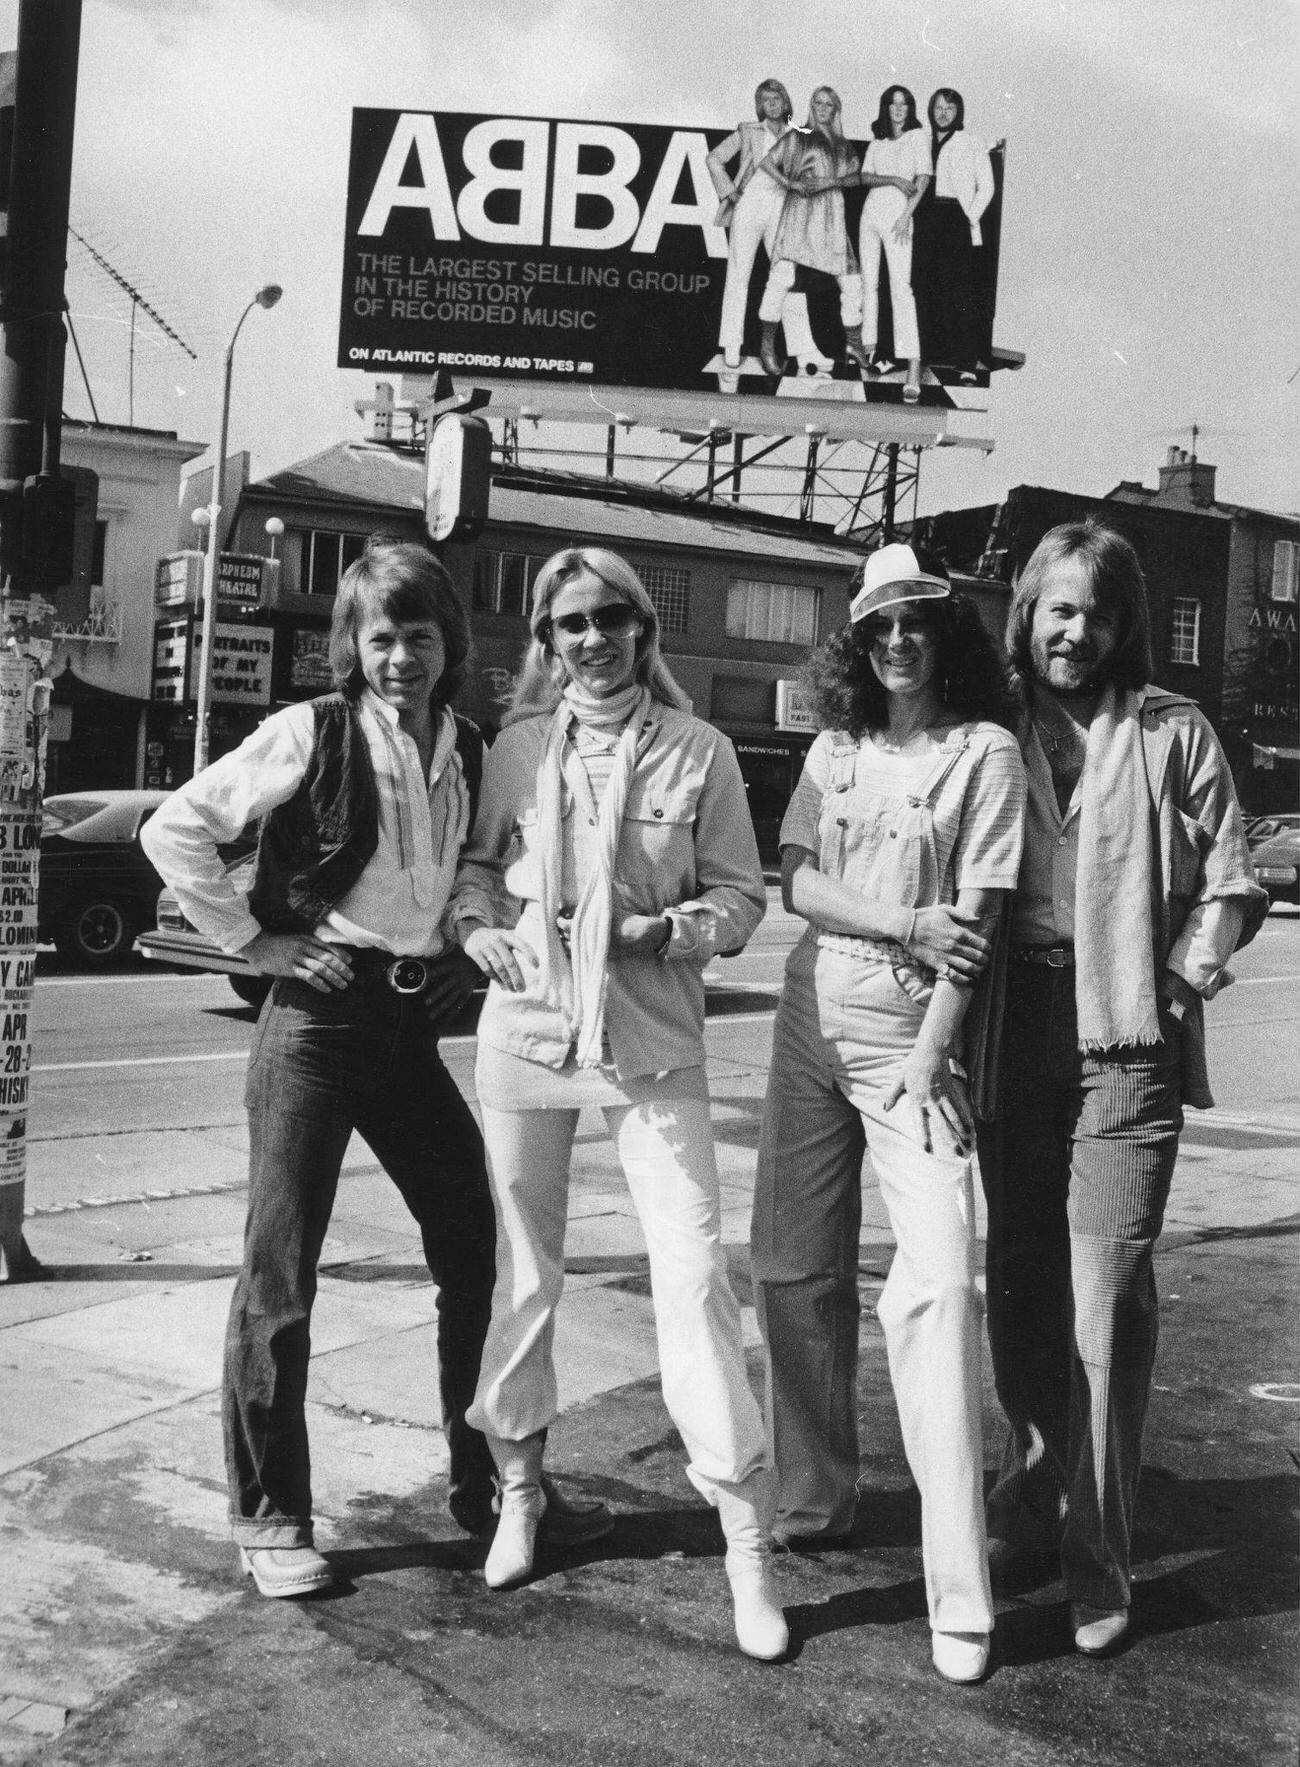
(136, 1061)
(1284, 1392)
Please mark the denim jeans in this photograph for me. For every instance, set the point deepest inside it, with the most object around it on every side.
(322, 1066)
(1077, 1165)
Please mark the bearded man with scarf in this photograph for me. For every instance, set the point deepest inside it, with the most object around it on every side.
(1135, 888)
(613, 856)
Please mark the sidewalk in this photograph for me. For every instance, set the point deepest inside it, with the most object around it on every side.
(125, 1635)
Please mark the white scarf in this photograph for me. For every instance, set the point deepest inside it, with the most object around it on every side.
(580, 979)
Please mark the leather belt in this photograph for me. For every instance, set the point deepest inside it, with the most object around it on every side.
(404, 975)
(1053, 956)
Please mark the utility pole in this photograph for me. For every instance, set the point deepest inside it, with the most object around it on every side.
(36, 529)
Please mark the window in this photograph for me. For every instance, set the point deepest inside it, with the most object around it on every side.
(1185, 639)
(503, 580)
(97, 556)
(775, 613)
(1286, 568)
(325, 557)
(670, 590)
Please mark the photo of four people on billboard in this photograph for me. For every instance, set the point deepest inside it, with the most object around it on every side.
(923, 195)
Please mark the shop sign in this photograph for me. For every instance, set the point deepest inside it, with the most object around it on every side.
(241, 664)
(170, 660)
(794, 709)
(309, 660)
(239, 579)
(178, 579)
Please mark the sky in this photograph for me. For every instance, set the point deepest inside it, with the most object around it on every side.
(1149, 257)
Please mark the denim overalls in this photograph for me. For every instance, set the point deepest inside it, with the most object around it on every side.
(851, 1010)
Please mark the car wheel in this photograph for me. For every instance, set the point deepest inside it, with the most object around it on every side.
(97, 932)
(252, 990)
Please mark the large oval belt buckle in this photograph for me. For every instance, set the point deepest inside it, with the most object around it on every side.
(408, 975)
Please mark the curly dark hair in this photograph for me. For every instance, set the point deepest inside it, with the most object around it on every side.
(848, 695)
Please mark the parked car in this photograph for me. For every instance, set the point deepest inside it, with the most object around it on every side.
(1277, 864)
(97, 889)
(1263, 828)
(175, 941)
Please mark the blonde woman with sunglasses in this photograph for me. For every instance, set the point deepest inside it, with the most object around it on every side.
(612, 857)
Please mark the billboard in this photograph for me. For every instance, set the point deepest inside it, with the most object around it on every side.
(689, 258)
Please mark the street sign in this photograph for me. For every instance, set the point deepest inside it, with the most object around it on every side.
(458, 477)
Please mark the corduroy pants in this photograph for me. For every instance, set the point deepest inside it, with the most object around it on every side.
(1076, 1165)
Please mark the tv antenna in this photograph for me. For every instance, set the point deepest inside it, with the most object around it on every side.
(137, 300)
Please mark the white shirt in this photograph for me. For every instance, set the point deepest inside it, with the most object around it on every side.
(1044, 903)
(900, 156)
(399, 901)
(963, 170)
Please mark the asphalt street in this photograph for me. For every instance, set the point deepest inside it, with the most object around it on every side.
(126, 1636)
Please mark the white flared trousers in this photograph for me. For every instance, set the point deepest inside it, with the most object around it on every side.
(776, 296)
(754, 223)
(843, 1029)
(876, 234)
(666, 1151)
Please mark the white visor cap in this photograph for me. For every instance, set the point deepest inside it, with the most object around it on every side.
(892, 575)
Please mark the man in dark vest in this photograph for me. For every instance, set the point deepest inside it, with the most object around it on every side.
(365, 799)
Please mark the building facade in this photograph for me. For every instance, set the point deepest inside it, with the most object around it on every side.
(741, 599)
(104, 662)
(1221, 579)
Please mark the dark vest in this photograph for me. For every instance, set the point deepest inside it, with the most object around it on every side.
(313, 848)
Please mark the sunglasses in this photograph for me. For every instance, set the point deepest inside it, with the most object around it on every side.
(613, 619)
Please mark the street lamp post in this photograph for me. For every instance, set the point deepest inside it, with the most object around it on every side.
(265, 297)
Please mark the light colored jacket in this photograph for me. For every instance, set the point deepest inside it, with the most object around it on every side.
(1201, 843)
(686, 849)
(752, 142)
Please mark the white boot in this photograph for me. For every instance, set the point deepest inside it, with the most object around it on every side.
(523, 1503)
(745, 1511)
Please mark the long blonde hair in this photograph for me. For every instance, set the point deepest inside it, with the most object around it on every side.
(832, 134)
(541, 678)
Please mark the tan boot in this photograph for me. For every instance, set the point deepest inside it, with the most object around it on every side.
(523, 1503)
(773, 364)
(745, 1512)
